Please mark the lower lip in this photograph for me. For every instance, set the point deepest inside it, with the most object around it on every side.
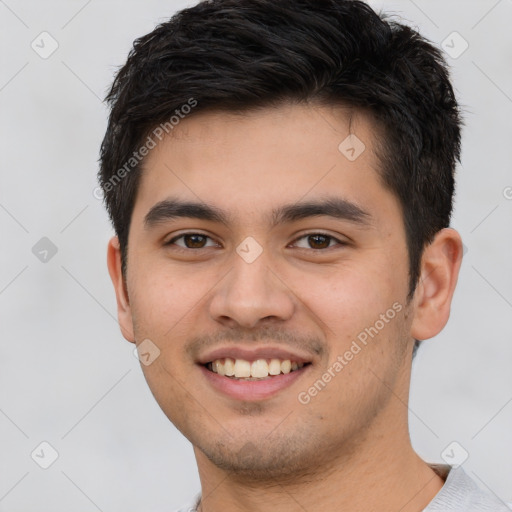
(252, 389)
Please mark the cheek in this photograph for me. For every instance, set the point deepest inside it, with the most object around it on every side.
(347, 299)
(163, 298)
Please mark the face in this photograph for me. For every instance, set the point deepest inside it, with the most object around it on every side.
(258, 244)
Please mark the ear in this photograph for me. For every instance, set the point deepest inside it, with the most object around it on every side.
(124, 313)
(440, 266)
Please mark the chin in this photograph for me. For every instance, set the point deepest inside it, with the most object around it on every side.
(265, 459)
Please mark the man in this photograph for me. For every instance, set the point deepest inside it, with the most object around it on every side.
(280, 179)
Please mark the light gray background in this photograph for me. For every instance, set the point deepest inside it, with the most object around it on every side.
(67, 375)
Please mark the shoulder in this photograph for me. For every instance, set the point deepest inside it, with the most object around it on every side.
(461, 493)
(191, 506)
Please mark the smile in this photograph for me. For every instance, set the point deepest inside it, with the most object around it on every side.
(255, 370)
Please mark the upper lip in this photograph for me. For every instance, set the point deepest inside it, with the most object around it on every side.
(252, 354)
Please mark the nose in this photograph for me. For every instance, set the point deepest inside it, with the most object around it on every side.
(251, 293)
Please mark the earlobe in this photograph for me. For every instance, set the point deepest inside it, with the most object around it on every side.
(124, 314)
(440, 266)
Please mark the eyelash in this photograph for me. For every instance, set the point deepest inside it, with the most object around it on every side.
(330, 237)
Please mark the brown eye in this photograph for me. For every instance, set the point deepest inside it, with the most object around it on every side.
(195, 241)
(192, 241)
(319, 241)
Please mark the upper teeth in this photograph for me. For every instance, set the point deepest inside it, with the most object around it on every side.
(260, 368)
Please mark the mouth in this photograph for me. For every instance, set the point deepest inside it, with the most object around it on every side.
(253, 375)
(260, 369)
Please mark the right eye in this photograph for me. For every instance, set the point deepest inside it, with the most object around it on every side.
(192, 241)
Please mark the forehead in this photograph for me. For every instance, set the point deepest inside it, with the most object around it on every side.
(259, 159)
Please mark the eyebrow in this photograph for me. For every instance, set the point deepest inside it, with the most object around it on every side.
(336, 207)
(170, 209)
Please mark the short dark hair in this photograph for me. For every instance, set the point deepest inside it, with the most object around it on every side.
(238, 55)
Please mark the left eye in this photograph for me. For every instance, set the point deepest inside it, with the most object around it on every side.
(316, 241)
(192, 241)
